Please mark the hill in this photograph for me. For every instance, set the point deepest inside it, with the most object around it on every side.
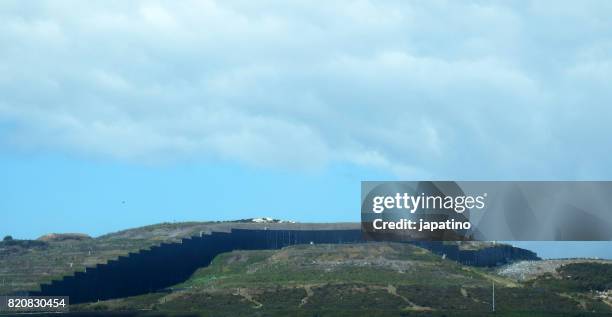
(368, 278)
(25, 264)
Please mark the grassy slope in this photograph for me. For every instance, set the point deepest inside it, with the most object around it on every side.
(378, 278)
(24, 269)
(373, 278)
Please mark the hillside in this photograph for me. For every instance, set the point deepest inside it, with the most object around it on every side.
(529, 270)
(372, 279)
(308, 279)
(25, 264)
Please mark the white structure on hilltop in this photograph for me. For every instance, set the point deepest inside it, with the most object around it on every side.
(270, 220)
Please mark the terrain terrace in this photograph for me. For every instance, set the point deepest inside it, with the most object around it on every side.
(374, 278)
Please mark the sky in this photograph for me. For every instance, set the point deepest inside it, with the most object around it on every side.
(116, 114)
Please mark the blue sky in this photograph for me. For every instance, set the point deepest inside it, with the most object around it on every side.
(204, 110)
(57, 193)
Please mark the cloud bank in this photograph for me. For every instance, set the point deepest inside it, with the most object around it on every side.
(422, 89)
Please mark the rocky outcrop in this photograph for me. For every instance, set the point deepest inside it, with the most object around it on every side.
(63, 237)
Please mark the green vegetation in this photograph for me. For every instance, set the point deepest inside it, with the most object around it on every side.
(373, 279)
(379, 263)
(25, 264)
(8, 245)
(578, 277)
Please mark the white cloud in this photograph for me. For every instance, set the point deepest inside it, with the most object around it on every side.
(422, 89)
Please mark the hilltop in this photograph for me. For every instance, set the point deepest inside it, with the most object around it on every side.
(368, 278)
(376, 278)
(25, 264)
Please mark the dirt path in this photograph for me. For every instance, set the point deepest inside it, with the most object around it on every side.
(245, 294)
(499, 280)
(412, 306)
(309, 293)
(607, 298)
